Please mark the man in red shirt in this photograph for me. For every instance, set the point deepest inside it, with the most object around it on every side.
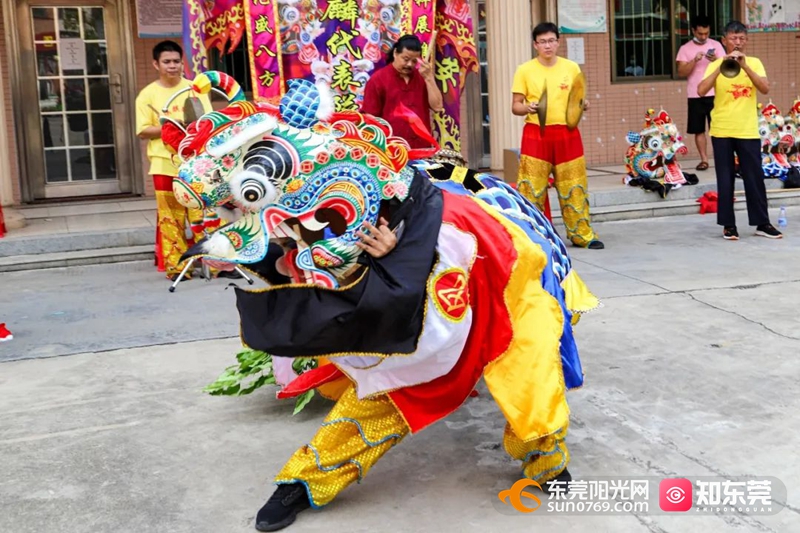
(406, 79)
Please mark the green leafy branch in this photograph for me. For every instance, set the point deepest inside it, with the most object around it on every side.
(253, 372)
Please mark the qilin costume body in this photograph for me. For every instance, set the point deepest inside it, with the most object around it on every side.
(478, 286)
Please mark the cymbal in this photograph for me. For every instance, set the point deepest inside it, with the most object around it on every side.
(575, 101)
(541, 110)
(192, 110)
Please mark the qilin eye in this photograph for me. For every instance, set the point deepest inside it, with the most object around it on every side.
(253, 190)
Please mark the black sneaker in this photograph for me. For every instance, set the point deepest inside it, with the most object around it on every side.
(282, 507)
(592, 245)
(768, 231)
(561, 481)
(730, 233)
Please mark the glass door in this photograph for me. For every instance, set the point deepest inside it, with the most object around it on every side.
(76, 128)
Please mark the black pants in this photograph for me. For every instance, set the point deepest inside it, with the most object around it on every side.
(749, 152)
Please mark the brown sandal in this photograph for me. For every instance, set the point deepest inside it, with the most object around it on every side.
(702, 166)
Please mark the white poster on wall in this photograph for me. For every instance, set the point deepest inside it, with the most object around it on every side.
(582, 16)
(72, 54)
(575, 50)
(159, 18)
(772, 15)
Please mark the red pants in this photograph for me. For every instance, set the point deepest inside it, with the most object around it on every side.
(171, 239)
(560, 152)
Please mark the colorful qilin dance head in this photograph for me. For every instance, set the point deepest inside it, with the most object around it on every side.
(776, 133)
(793, 119)
(302, 175)
(777, 138)
(653, 152)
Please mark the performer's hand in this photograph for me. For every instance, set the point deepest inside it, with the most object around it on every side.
(425, 69)
(586, 105)
(736, 54)
(380, 241)
(219, 265)
(533, 107)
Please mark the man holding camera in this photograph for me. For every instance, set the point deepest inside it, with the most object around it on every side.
(693, 59)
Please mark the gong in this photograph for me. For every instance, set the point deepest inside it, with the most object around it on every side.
(576, 101)
(541, 110)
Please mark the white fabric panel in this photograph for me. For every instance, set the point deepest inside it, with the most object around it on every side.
(442, 339)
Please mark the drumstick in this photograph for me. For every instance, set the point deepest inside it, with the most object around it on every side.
(432, 48)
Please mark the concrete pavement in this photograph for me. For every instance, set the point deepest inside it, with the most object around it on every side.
(64, 311)
(691, 370)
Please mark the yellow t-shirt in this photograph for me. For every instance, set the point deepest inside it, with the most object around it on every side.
(152, 99)
(735, 111)
(529, 81)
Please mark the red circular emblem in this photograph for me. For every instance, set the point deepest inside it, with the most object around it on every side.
(451, 293)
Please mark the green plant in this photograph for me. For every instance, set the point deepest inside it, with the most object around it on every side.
(254, 371)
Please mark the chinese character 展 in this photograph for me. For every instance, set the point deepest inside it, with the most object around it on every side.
(422, 25)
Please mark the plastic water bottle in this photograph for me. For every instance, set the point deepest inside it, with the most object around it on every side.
(782, 222)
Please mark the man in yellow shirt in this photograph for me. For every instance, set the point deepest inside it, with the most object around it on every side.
(734, 130)
(171, 241)
(558, 150)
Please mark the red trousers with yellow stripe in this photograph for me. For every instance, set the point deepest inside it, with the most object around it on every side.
(171, 240)
(559, 151)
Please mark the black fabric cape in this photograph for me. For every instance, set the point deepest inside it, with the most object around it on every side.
(381, 314)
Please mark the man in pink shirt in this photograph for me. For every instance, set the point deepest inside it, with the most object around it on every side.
(693, 58)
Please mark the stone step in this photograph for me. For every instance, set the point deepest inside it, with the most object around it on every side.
(72, 242)
(94, 256)
(66, 209)
(50, 250)
(674, 207)
(627, 195)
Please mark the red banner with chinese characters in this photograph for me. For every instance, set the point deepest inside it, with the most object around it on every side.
(342, 42)
(264, 48)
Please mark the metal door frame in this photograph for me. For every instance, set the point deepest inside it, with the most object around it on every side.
(119, 31)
